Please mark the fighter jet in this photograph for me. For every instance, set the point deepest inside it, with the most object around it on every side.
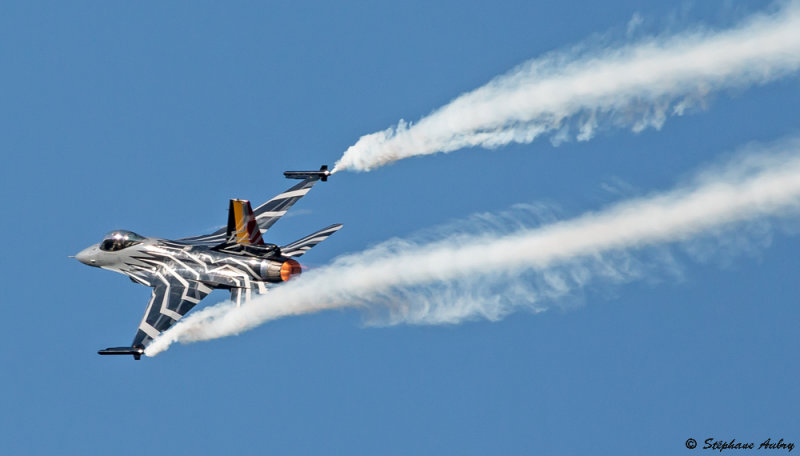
(182, 272)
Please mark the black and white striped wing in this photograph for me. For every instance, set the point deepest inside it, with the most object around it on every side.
(266, 214)
(271, 211)
(301, 246)
(215, 238)
(170, 301)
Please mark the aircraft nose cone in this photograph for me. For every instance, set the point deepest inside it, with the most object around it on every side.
(87, 256)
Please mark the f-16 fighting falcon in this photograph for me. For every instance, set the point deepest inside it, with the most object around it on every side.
(184, 271)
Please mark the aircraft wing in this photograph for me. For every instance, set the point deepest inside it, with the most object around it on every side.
(271, 211)
(301, 246)
(266, 214)
(212, 239)
(169, 301)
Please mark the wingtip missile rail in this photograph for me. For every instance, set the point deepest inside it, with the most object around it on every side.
(136, 351)
(322, 174)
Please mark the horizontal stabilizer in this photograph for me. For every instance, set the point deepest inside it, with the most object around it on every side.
(135, 351)
(322, 174)
(301, 246)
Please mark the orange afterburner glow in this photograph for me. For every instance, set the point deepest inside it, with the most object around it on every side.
(290, 268)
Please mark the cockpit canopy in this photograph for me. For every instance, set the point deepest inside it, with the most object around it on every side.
(118, 240)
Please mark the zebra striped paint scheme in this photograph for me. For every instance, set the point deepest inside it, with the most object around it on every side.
(183, 272)
(303, 245)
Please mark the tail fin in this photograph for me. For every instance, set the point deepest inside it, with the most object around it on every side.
(242, 225)
(301, 246)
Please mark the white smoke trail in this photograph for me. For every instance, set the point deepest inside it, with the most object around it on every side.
(636, 85)
(467, 275)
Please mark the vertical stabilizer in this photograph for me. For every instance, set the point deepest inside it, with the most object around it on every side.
(242, 224)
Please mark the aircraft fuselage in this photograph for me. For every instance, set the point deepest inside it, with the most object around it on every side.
(153, 261)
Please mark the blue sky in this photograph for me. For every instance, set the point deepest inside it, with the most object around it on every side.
(150, 116)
